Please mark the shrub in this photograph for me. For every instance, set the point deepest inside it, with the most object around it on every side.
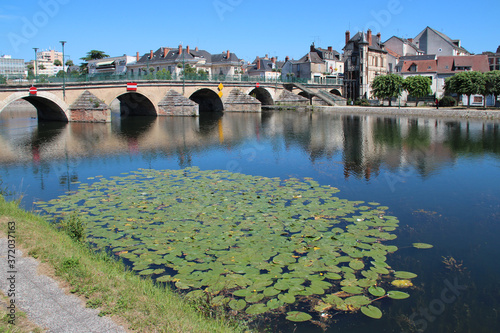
(74, 227)
(362, 102)
(447, 101)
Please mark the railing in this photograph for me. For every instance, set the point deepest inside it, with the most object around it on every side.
(167, 77)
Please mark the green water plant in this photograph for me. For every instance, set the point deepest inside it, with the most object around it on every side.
(254, 245)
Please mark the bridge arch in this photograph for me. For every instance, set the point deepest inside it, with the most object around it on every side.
(264, 96)
(336, 92)
(134, 104)
(208, 100)
(49, 107)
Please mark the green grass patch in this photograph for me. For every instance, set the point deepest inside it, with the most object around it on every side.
(135, 302)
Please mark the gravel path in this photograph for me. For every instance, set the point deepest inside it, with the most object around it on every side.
(46, 304)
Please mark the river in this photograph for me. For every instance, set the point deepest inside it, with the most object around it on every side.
(440, 177)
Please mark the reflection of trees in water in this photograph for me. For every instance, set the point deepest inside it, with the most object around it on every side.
(463, 139)
(209, 122)
(387, 131)
(132, 127)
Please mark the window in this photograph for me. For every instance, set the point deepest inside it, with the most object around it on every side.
(413, 68)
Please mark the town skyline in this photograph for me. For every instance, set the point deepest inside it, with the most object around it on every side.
(245, 28)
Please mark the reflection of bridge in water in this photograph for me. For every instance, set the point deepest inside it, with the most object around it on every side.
(366, 143)
(93, 101)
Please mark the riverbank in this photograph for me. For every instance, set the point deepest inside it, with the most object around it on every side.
(134, 303)
(460, 113)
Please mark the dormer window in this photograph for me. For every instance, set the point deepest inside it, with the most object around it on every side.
(413, 68)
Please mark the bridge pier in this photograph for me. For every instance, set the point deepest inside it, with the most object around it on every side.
(175, 104)
(90, 109)
(238, 101)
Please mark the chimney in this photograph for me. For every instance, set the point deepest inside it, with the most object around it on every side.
(228, 55)
(187, 49)
(196, 49)
(180, 49)
(165, 51)
(266, 57)
(330, 48)
(347, 37)
(137, 56)
(287, 58)
(312, 47)
(151, 54)
(273, 60)
(379, 36)
(369, 37)
(258, 63)
(410, 40)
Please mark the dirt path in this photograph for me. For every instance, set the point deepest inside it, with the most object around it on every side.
(44, 302)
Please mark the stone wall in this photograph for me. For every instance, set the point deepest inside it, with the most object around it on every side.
(175, 104)
(238, 101)
(289, 98)
(89, 108)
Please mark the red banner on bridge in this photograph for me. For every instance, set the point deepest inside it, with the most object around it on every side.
(131, 86)
(33, 91)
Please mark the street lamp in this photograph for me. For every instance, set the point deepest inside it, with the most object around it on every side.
(64, 72)
(36, 62)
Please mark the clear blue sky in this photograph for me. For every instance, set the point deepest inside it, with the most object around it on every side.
(248, 28)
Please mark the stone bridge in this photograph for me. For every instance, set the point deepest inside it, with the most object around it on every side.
(95, 101)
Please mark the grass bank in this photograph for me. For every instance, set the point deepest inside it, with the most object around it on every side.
(136, 303)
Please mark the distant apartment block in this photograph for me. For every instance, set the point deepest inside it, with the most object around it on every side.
(45, 62)
(12, 68)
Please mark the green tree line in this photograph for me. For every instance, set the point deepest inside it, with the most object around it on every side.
(464, 83)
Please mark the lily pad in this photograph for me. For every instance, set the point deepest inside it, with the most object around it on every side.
(422, 246)
(298, 316)
(376, 291)
(371, 311)
(242, 239)
(405, 275)
(397, 294)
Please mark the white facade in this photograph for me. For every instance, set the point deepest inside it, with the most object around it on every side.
(110, 65)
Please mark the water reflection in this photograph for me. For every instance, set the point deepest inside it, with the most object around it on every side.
(367, 143)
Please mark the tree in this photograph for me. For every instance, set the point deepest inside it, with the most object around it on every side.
(417, 86)
(69, 63)
(41, 67)
(91, 55)
(466, 83)
(94, 55)
(57, 62)
(492, 83)
(387, 87)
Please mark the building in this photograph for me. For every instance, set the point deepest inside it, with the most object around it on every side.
(431, 41)
(438, 69)
(173, 60)
(266, 68)
(365, 58)
(494, 59)
(111, 65)
(402, 46)
(12, 68)
(45, 62)
(319, 65)
(396, 48)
